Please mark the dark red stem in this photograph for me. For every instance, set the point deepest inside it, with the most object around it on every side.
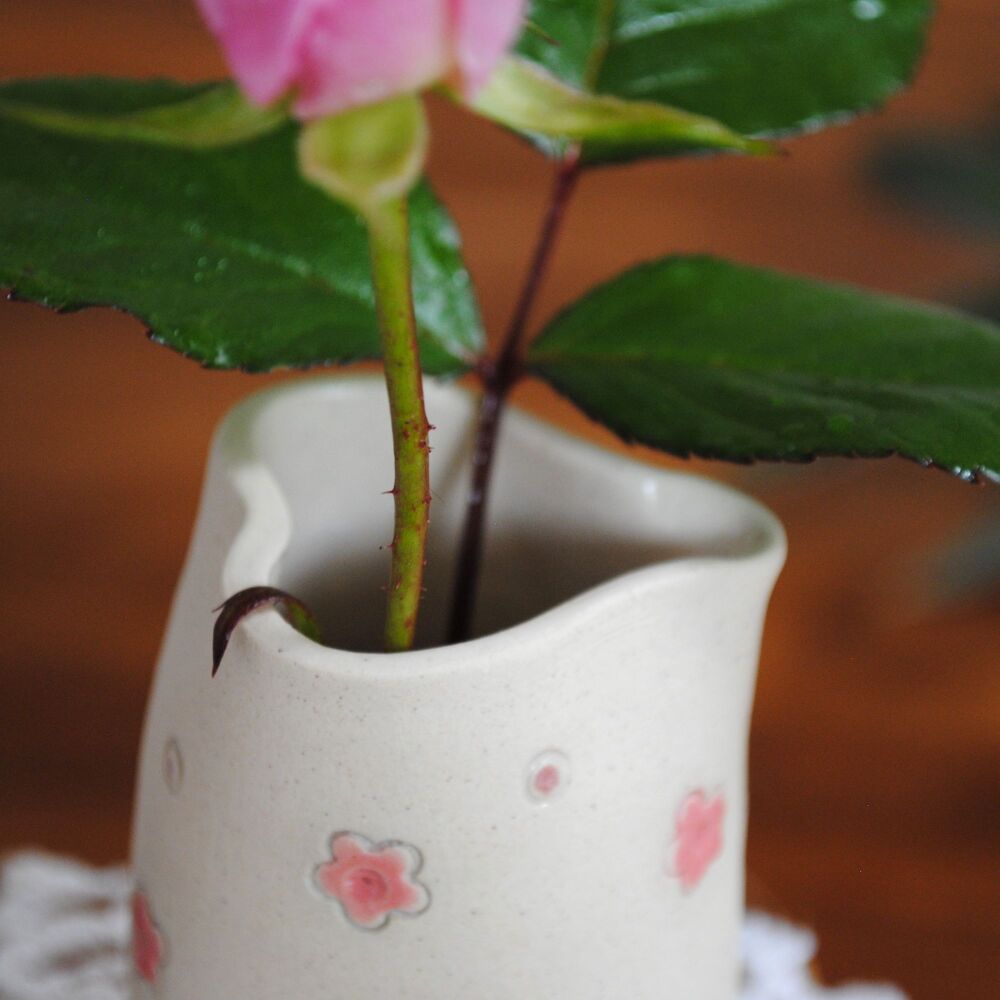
(499, 377)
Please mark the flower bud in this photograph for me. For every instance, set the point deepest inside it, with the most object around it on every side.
(330, 55)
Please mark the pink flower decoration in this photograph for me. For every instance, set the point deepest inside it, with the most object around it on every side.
(372, 881)
(699, 837)
(336, 54)
(147, 941)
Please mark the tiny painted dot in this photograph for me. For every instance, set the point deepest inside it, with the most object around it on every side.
(547, 780)
(173, 766)
(548, 776)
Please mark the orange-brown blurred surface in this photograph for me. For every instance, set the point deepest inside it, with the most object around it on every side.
(876, 745)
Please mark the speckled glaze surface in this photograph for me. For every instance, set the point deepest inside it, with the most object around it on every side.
(553, 811)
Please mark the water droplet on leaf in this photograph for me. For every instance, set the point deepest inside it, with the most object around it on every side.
(867, 10)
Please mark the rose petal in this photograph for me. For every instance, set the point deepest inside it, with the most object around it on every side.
(355, 53)
(261, 40)
(484, 30)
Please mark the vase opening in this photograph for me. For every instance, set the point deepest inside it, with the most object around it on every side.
(564, 516)
(525, 573)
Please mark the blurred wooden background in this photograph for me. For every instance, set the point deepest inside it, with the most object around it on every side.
(876, 746)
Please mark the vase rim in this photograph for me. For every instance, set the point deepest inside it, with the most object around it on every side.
(266, 532)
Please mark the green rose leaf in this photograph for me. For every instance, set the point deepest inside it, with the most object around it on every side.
(527, 98)
(760, 67)
(214, 116)
(698, 356)
(226, 254)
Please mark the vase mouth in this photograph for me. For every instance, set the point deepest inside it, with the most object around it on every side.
(707, 527)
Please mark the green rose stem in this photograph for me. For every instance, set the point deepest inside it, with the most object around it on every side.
(499, 377)
(389, 235)
(371, 158)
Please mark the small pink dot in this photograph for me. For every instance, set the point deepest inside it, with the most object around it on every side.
(548, 776)
(547, 780)
(367, 885)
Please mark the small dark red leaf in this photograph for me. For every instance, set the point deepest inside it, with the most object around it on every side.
(237, 607)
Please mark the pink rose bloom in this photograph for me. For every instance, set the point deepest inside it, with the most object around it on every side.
(337, 54)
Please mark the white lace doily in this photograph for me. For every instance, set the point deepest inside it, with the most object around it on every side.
(65, 928)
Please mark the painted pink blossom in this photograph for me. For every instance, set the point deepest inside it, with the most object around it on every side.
(337, 54)
(147, 942)
(372, 881)
(699, 837)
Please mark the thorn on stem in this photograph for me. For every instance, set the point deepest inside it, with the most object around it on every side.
(544, 35)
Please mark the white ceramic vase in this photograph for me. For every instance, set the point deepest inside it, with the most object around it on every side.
(553, 811)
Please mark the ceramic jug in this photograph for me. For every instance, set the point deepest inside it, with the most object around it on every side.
(554, 810)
